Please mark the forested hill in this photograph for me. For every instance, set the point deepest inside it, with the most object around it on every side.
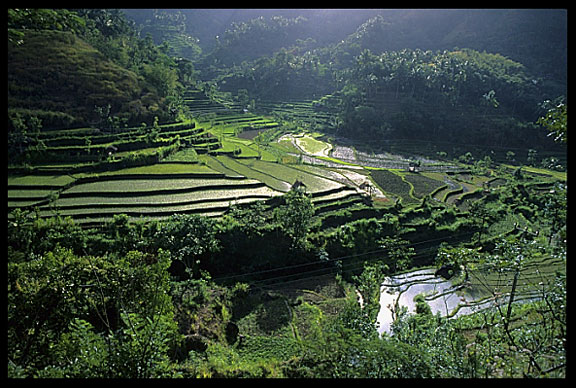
(464, 76)
(62, 79)
(476, 76)
(70, 68)
(533, 37)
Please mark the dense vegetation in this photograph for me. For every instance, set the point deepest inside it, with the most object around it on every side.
(182, 207)
(96, 72)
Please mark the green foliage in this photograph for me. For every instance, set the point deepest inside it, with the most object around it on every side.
(531, 345)
(251, 39)
(295, 216)
(421, 306)
(84, 316)
(398, 254)
(556, 121)
(134, 77)
(407, 85)
(43, 19)
(188, 237)
(82, 305)
(437, 345)
(73, 89)
(343, 350)
(456, 259)
(137, 351)
(225, 362)
(170, 26)
(357, 237)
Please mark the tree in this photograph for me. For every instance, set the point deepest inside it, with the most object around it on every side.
(295, 216)
(45, 19)
(456, 259)
(556, 120)
(398, 254)
(23, 131)
(490, 99)
(554, 210)
(421, 306)
(83, 316)
(510, 156)
(243, 98)
(505, 347)
(433, 340)
(466, 158)
(189, 238)
(162, 76)
(531, 158)
(480, 215)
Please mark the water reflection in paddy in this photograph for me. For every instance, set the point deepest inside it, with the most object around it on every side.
(440, 294)
(401, 289)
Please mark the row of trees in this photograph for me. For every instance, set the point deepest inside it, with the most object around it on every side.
(429, 95)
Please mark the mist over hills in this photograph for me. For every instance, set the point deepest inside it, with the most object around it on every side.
(535, 37)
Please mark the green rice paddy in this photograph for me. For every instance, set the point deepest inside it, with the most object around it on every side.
(207, 164)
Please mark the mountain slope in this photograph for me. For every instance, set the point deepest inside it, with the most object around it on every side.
(61, 79)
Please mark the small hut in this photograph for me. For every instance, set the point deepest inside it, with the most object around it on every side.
(299, 186)
(110, 150)
(367, 187)
(412, 166)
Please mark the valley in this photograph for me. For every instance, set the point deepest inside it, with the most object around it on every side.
(278, 204)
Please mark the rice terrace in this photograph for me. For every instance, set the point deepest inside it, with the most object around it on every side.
(286, 193)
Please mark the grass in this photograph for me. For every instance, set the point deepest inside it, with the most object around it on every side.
(142, 186)
(158, 200)
(216, 165)
(28, 194)
(164, 169)
(333, 197)
(69, 77)
(186, 155)
(239, 148)
(40, 180)
(393, 183)
(285, 144)
(561, 175)
(221, 205)
(245, 170)
(312, 146)
(288, 174)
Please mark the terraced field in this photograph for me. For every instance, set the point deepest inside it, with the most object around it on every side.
(392, 183)
(423, 185)
(297, 110)
(156, 195)
(477, 294)
(161, 189)
(204, 165)
(29, 190)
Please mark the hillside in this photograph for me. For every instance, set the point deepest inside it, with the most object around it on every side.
(61, 79)
(534, 37)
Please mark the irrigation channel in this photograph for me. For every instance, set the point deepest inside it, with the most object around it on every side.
(441, 295)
